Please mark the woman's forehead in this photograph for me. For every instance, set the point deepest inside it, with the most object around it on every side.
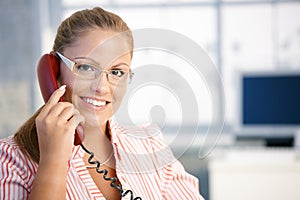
(102, 46)
(99, 37)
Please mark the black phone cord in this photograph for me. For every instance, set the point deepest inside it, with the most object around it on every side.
(105, 172)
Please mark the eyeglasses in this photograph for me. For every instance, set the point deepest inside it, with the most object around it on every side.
(90, 72)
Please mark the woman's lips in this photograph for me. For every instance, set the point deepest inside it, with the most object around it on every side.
(95, 103)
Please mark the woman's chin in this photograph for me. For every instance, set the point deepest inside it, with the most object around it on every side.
(93, 121)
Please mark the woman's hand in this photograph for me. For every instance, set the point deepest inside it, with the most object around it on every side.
(56, 126)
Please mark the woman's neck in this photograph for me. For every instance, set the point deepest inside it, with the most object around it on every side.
(97, 141)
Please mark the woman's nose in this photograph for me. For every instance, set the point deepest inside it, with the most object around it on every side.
(101, 83)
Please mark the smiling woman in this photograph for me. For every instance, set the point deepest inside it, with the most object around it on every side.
(93, 50)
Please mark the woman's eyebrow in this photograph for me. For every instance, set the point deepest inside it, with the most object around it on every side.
(120, 64)
(99, 65)
(87, 58)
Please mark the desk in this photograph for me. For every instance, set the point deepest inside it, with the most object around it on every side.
(254, 174)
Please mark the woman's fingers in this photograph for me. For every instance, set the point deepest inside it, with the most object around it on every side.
(71, 113)
(57, 94)
(63, 110)
(75, 121)
(59, 115)
(56, 125)
(53, 100)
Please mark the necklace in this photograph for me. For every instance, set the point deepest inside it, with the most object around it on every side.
(104, 163)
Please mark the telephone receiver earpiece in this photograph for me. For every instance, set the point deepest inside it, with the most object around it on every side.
(48, 71)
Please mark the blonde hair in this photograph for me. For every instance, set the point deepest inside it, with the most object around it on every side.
(81, 21)
(69, 30)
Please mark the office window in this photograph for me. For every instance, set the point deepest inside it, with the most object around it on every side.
(288, 33)
(247, 44)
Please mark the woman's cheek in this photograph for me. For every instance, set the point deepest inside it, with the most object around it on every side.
(118, 96)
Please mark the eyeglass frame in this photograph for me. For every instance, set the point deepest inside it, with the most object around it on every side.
(71, 65)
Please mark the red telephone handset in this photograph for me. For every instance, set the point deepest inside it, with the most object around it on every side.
(48, 72)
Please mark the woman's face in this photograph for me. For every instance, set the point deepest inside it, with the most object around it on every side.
(96, 99)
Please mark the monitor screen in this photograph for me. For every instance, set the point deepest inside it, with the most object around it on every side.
(270, 99)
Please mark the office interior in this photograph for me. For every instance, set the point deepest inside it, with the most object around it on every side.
(233, 120)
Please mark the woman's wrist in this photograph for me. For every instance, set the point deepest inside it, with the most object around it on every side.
(50, 181)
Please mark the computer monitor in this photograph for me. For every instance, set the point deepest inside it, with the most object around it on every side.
(269, 103)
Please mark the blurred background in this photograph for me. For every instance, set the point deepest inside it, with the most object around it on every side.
(255, 48)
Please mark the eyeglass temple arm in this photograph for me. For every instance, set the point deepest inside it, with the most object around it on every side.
(67, 61)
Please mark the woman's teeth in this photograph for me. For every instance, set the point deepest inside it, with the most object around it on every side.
(94, 102)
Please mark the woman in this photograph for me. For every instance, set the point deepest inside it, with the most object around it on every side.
(94, 48)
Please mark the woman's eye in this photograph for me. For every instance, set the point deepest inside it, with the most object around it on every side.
(117, 72)
(84, 67)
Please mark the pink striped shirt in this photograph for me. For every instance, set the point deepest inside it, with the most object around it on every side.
(144, 164)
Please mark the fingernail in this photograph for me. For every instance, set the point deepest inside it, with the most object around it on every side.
(79, 128)
(63, 87)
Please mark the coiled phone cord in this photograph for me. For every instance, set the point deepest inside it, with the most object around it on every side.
(104, 172)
